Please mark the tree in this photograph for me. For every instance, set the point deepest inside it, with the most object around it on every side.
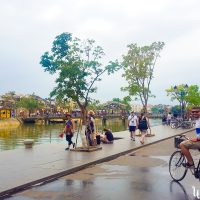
(176, 110)
(155, 109)
(94, 105)
(193, 97)
(138, 65)
(126, 101)
(79, 67)
(9, 100)
(187, 96)
(29, 103)
(158, 109)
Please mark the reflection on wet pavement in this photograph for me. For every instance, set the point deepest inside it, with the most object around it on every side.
(142, 176)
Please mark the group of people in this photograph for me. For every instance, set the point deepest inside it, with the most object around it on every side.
(134, 123)
(93, 138)
(141, 123)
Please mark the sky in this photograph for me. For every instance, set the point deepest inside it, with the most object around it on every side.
(28, 28)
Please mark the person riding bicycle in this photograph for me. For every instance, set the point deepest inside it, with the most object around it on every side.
(193, 143)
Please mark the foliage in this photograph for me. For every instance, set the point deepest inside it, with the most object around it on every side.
(193, 97)
(138, 65)
(95, 105)
(9, 100)
(78, 64)
(126, 101)
(186, 95)
(158, 109)
(176, 110)
(29, 103)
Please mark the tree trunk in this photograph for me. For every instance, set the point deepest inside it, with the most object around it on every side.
(144, 109)
(82, 133)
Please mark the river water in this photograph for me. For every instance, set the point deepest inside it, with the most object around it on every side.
(12, 137)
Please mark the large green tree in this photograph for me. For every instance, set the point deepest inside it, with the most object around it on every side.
(187, 96)
(138, 65)
(79, 66)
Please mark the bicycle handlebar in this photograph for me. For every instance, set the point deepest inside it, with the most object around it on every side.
(184, 136)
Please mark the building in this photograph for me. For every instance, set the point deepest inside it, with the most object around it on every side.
(5, 113)
(138, 108)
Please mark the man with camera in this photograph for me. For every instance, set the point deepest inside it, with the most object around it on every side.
(132, 124)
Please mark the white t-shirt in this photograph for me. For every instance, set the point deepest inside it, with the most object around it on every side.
(132, 120)
(197, 123)
(169, 116)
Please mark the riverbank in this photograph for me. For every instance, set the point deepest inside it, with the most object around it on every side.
(9, 122)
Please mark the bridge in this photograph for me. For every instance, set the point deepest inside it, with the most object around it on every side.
(61, 118)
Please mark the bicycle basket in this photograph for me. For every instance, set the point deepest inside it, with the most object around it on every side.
(177, 141)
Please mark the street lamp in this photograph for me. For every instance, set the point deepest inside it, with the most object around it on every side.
(181, 94)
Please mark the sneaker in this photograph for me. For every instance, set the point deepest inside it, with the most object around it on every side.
(66, 148)
(133, 139)
(188, 165)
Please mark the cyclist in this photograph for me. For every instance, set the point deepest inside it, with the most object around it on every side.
(193, 143)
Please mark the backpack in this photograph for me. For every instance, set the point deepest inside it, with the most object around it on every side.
(143, 124)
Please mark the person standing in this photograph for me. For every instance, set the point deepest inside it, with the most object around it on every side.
(143, 126)
(169, 117)
(69, 131)
(91, 129)
(164, 120)
(132, 124)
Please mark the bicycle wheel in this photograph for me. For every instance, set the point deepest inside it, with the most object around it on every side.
(174, 125)
(176, 169)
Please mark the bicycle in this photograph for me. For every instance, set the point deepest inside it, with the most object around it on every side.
(181, 123)
(176, 169)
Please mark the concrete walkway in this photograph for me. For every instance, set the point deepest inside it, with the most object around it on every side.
(22, 168)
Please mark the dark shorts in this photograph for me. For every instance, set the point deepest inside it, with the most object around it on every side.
(132, 128)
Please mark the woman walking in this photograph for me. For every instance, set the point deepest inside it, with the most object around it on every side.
(69, 131)
(143, 126)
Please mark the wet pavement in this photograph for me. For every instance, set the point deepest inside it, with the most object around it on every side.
(139, 175)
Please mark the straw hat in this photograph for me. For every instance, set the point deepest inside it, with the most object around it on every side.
(91, 112)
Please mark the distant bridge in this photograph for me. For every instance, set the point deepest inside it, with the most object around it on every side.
(61, 118)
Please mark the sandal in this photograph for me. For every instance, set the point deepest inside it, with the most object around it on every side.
(141, 142)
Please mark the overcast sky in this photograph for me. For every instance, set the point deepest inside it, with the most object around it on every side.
(28, 29)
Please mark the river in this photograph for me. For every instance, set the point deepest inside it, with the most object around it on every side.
(12, 137)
